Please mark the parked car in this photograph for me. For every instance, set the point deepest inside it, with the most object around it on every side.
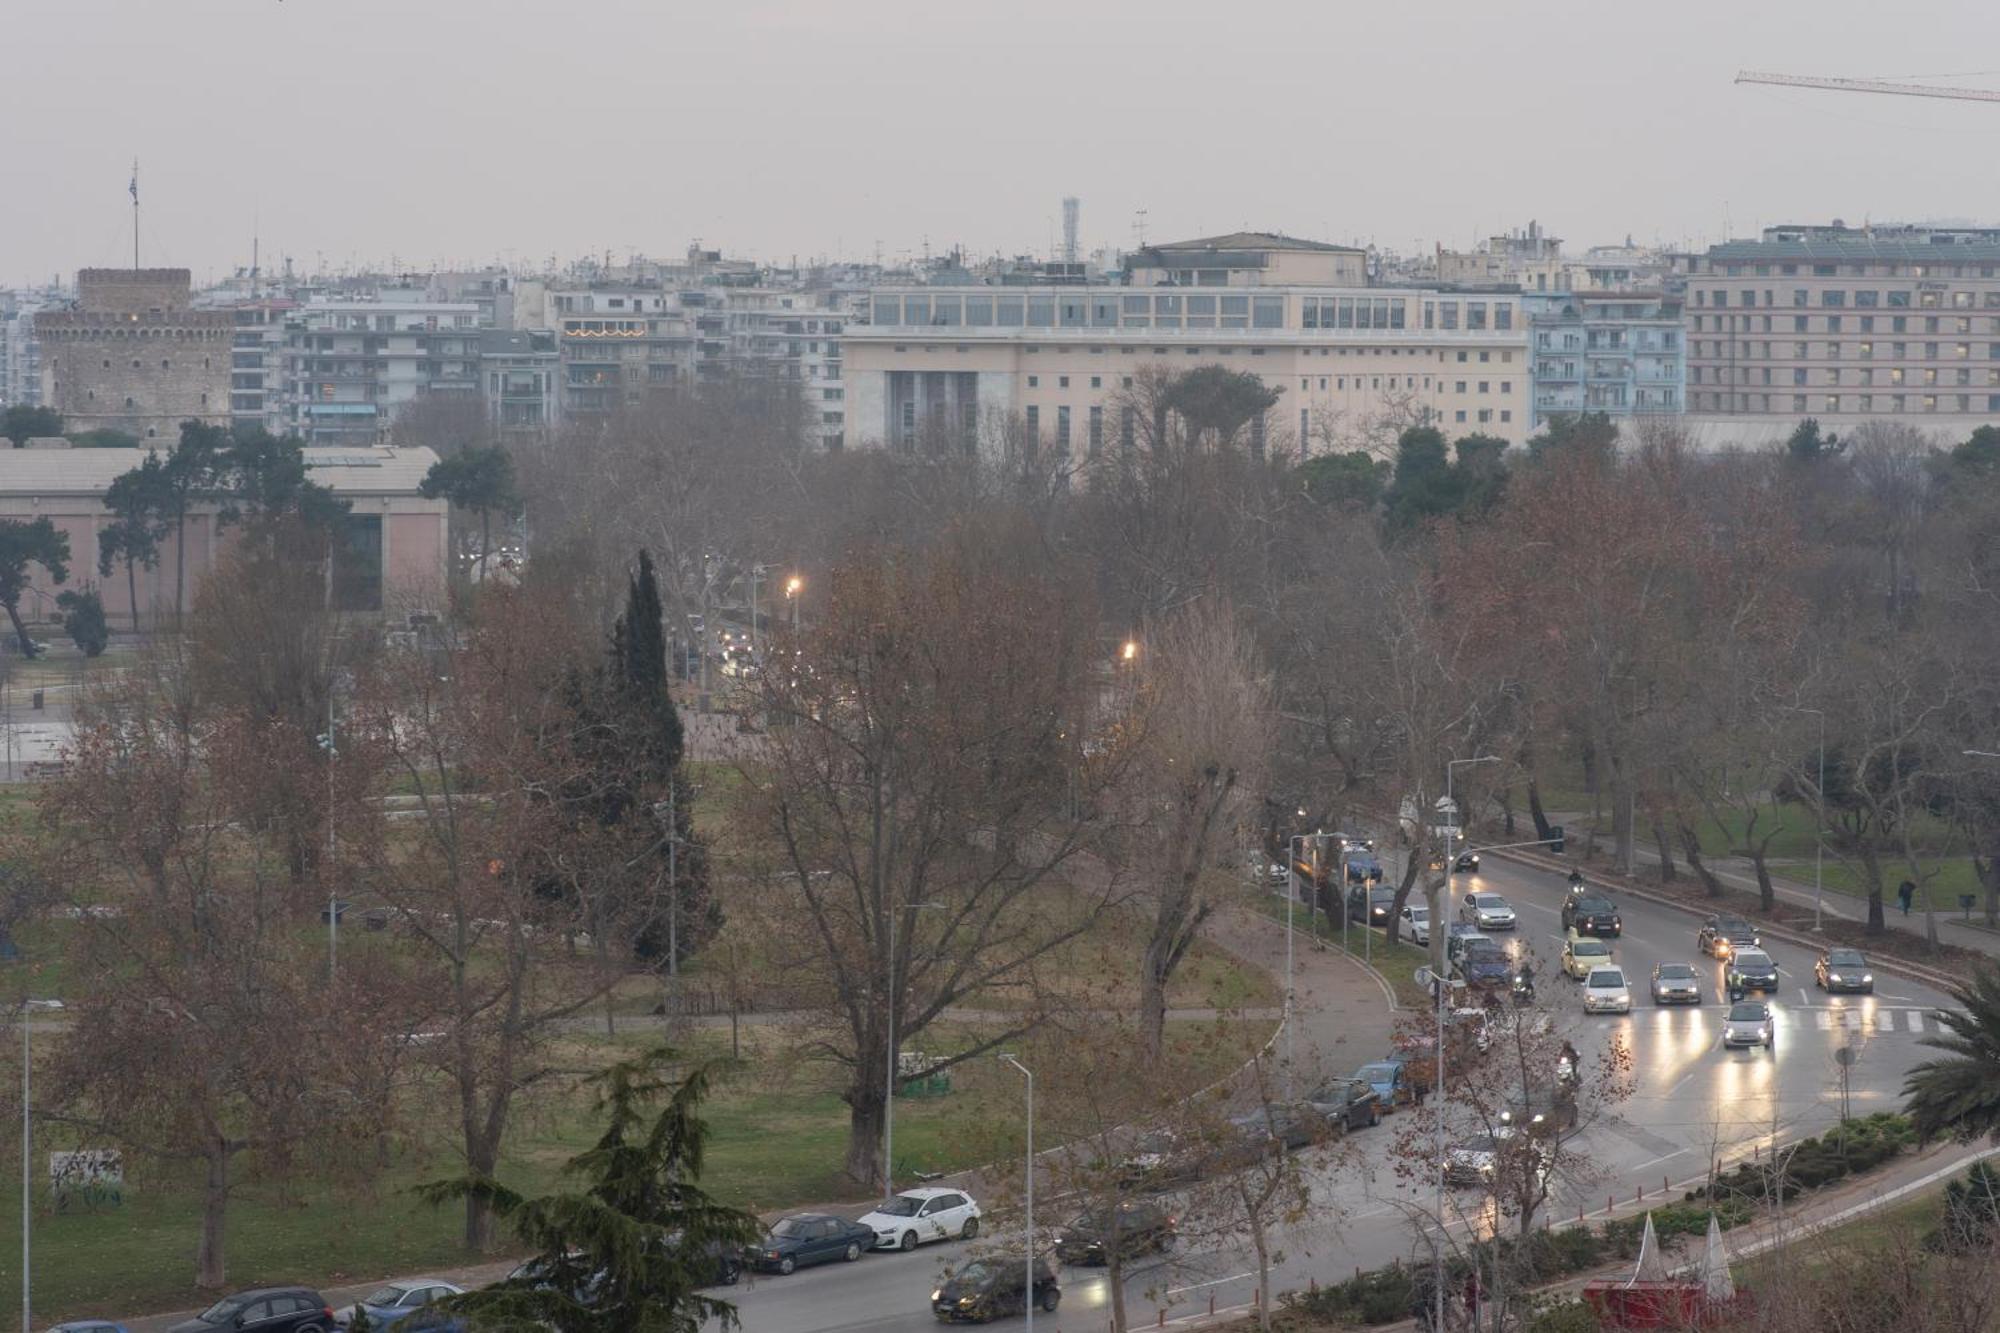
(1605, 991)
(1477, 1160)
(1391, 1082)
(1591, 915)
(916, 1216)
(809, 1238)
(1465, 863)
(1134, 1227)
(1417, 923)
(1722, 935)
(1351, 1103)
(90, 1326)
(394, 1302)
(1482, 962)
(1580, 955)
(1288, 1125)
(1676, 983)
(1488, 911)
(264, 1310)
(1843, 970)
(1751, 969)
(988, 1289)
(1748, 1024)
(1159, 1161)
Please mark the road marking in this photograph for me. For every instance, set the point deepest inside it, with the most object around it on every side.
(1824, 1018)
(1854, 1020)
(1916, 1020)
(1803, 997)
(1683, 1083)
(1197, 1286)
(1655, 1161)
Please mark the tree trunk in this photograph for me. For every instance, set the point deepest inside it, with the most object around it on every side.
(1691, 848)
(209, 1271)
(1987, 870)
(1540, 816)
(485, 542)
(1666, 851)
(132, 591)
(180, 566)
(1767, 892)
(1153, 997)
(20, 630)
(1262, 1246)
(1871, 871)
(864, 1121)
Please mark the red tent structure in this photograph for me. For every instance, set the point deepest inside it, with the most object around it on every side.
(1654, 1297)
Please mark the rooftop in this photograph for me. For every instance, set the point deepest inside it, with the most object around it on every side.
(1255, 240)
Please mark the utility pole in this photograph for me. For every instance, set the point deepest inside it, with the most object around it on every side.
(27, 1192)
(135, 214)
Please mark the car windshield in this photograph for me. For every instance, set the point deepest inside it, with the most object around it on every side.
(1483, 948)
(790, 1226)
(385, 1296)
(977, 1272)
(1417, 913)
(1590, 948)
(900, 1206)
(1593, 904)
(1733, 925)
(1675, 971)
(1847, 958)
(1748, 1012)
(1606, 976)
(221, 1312)
(1749, 960)
(1489, 900)
(1376, 1073)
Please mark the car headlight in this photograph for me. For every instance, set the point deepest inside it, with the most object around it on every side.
(1868, 978)
(938, 1294)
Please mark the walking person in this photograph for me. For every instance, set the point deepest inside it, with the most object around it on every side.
(1906, 893)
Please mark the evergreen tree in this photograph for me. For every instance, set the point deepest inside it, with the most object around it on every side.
(83, 620)
(638, 1241)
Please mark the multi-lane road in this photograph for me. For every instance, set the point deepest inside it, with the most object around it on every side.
(1692, 1100)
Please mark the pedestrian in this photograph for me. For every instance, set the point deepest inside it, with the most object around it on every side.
(1906, 893)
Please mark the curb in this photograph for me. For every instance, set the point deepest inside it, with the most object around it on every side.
(1915, 971)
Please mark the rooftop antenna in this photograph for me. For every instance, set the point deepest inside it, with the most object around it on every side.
(1072, 209)
(1139, 226)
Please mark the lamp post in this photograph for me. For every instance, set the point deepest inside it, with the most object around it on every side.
(27, 1192)
(793, 587)
(889, 1087)
(1030, 1246)
(1819, 820)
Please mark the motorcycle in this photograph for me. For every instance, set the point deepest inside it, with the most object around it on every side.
(1523, 989)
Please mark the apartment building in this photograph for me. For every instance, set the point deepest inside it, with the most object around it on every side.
(350, 366)
(1620, 353)
(521, 374)
(1847, 324)
(1300, 315)
(617, 342)
(257, 363)
(20, 350)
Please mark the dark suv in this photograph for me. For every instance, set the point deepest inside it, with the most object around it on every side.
(1720, 936)
(1592, 915)
(986, 1289)
(264, 1310)
(1370, 905)
(1132, 1228)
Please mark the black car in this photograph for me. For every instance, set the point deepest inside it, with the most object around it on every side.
(1592, 915)
(1844, 970)
(1289, 1124)
(1721, 936)
(987, 1289)
(809, 1238)
(1132, 1228)
(1372, 905)
(1481, 962)
(264, 1310)
(1465, 863)
(1541, 1110)
(1347, 1102)
(1751, 969)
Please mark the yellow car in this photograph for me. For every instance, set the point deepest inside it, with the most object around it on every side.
(1581, 953)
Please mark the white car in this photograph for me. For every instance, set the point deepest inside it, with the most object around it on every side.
(1748, 1024)
(1417, 924)
(1605, 992)
(1488, 911)
(916, 1216)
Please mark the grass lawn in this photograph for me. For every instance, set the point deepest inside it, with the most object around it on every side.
(779, 1132)
(1954, 876)
(1396, 962)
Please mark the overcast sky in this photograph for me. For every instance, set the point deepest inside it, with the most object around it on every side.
(465, 131)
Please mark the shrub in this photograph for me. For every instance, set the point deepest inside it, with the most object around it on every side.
(1971, 1215)
(1378, 1296)
(1563, 1315)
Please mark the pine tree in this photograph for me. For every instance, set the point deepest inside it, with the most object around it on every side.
(632, 1249)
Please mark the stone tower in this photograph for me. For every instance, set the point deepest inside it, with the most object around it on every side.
(134, 356)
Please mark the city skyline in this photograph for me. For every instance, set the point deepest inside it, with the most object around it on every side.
(781, 129)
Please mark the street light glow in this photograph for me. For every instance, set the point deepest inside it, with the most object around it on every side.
(1130, 650)
(794, 585)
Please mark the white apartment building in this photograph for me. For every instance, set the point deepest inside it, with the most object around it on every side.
(350, 366)
(1297, 314)
(617, 342)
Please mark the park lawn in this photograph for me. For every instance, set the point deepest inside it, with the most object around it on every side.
(1954, 876)
(778, 1135)
(1397, 963)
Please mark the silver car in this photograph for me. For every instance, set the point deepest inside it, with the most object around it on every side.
(1488, 911)
(1676, 983)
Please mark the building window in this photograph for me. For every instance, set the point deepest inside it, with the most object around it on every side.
(1034, 381)
(1096, 431)
(1460, 416)
(1505, 415)
(1485, 386)
(1062, 381)
(1128, 425)
(1062, 430)
(1034, 427)
(1096, 381)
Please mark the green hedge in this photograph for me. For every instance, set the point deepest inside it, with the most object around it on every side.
(1860, 1145)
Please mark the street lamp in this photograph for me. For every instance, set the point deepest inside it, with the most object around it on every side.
(1130, 652)
(27, 1158)
(889, 1101)
(1819, 833)
(793, 587)
(1030, 1276)
(1981, 754)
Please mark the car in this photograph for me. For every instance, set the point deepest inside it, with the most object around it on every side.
(1354, 842)
(1288, 1125)
(916, 1216)
(988, 1289)
(1581, 954)
(1751, 969)
(1748, 1024)
(1159, 1160)
(1488, 911)
(1465, 863)
(1482, 962)
(1391, 1082)
(264, 1310)
(1676, 983)
(1374, 903)
(1722, 935)
(808, 1238)
(1605, 991)
(394, 1302)
(1351, 1103)
(90, 1326)
(1363, 868)
(1541, 1110)
(1592, 914)
(1455, 933)
(1843, 970)
(1477, 1160)
(1417, 923)
(1132, 1228)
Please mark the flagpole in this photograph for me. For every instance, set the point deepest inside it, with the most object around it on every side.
(135, 215)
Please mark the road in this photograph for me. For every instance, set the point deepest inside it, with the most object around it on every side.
(1692, 1100)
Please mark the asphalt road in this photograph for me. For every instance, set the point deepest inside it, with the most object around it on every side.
(1692, 1100)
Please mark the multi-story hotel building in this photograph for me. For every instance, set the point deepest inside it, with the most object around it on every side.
(1848, 325)
(1300, 315)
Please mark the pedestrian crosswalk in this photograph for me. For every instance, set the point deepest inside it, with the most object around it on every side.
(1850, 1020)
(1914, 1021)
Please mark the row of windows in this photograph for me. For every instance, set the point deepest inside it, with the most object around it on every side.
(1867, 402)
(1830, 270)
(1835, 351)
(1180, 310)
(1928, 298)
(1837, 323)
(1462, 356)
(1867, 377)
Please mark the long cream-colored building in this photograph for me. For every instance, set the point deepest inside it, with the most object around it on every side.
(1053, 360)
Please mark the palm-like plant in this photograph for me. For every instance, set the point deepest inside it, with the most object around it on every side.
(1960, 1096)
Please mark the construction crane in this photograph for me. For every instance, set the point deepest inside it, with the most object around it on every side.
(1869, 86)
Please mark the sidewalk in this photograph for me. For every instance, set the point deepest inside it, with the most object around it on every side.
(1738, 873)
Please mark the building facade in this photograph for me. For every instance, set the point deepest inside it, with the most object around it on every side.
(350, 366)
(1847, 325)
(616, 343)
(1620, 353)
(521, 380)
(1053, 361)
(257, 364)
(133, 356)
